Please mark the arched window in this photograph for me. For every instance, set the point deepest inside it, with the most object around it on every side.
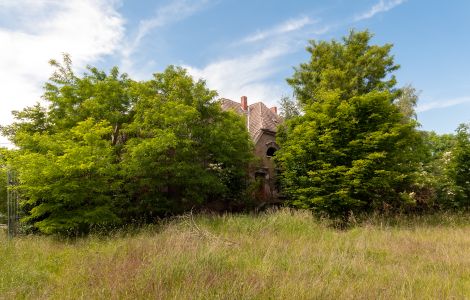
(271, 152)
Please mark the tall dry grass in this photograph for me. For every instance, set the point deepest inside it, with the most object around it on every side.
(282, 254)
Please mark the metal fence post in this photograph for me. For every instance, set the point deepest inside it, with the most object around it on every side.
(12, 204)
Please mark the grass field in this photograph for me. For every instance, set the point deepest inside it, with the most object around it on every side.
(277, 255)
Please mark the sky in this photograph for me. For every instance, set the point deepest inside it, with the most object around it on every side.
(240, 47)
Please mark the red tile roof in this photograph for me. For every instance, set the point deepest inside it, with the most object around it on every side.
(259, 117)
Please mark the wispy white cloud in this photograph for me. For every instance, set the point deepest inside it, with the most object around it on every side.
(442, 104)
(86, 29)
(251, 72)
(245, 75)
(285, 27)
(381, 6)
(173, 12)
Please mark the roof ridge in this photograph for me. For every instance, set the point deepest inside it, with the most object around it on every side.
(227, 99)
(258, 102)
(259, 116)
(261, 109)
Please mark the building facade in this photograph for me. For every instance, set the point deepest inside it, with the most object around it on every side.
(261, 123)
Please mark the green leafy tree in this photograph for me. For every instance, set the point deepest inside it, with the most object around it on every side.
(71, 99)
(69, 149)
(67, 187)
(445, 170)
(433, 187)
(184, 150)
(459, 169)
(439, 144)
(106, 150)
(350, 149)
(407, 102)
(348, 68)
(289, 108)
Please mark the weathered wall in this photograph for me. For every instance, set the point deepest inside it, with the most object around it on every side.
(268, 190)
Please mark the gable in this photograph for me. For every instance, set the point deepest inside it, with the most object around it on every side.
(259, 118)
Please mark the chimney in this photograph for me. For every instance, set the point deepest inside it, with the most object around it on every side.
(274, 110)
(244, 103)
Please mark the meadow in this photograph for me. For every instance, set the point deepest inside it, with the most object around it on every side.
(280, 254)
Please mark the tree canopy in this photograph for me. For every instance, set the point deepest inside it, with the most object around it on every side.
(350, 149)
(289, 108)
(459, 169)
(182, 148)
(106, 150)
(349, 68)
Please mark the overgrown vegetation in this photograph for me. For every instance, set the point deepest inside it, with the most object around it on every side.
(460, 167)
(352, 149)
(108, 151)
(278, 255)
(3, 187)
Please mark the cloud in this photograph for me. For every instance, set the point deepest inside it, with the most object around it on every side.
(382, 6)
(43, 29)
(442, 104)
(285, 27)
(253, 71)
(245, 75)
(173, 12)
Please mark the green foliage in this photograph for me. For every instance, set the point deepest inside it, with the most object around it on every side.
(433, 188)
(3, 185)
(439, 144)
(6, 156)
(459, 167)
(67, 165)
(444, 174)
(350, 150)
(349, 68)
(184, 150)
(107, 150)
(71, 100)
(289, 108)
(68, 185)
(407, 101)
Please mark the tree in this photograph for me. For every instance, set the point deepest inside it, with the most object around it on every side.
(67, 187)
(351, 68)
(68, 157)
(289, 108)
(184, 150)
(72, 99)
(107, 150)
(350, 150)
(433, 187)
(459, 169)
(407, 101)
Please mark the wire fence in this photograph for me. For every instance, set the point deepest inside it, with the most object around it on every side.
(12, 203)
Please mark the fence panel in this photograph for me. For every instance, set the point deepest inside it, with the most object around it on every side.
(12, 203)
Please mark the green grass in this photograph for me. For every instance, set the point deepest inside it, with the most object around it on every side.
(282, 254)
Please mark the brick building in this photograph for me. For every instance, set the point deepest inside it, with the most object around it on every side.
(261, 123)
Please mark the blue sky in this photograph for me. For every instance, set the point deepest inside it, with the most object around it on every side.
(239, 47)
